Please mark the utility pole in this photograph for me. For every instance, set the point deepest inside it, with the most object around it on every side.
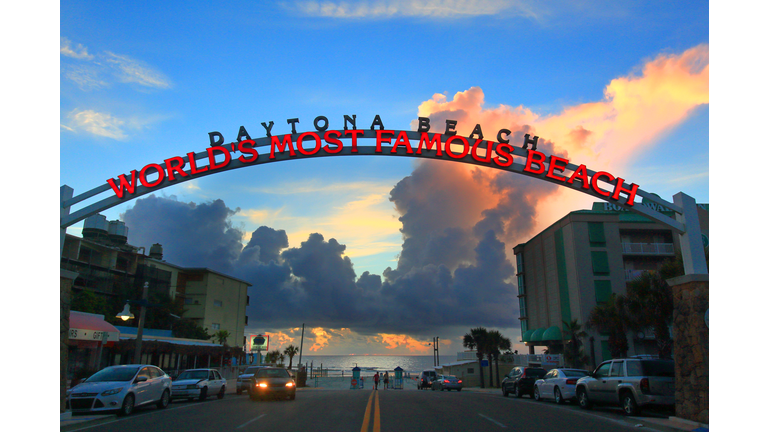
(140, 329)
(437, 350)
(301, 346)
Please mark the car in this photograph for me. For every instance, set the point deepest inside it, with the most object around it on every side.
(520, 380)
(425, 379)
(629, 383)
(198, 384)
(272, 382)
(122, 389)
(446, 382)
(244, 379)
(558, 384)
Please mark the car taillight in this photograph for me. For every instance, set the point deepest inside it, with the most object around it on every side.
(645, 385)
(522, 376)
(446, 381)
(459, 381)
(571, 381)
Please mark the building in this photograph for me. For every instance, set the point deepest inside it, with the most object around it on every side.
(579, 261)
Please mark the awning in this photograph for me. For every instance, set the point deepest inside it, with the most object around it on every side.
(92, 328)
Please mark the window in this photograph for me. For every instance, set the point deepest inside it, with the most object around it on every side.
(215, 326)
(600, 263)
(519, 262)
(188, 301)
(523, 309)
(603, 290)
(520, 284)
(602, 371)
(218, 303)
(616, 369)
(596, 234)
(246, 320)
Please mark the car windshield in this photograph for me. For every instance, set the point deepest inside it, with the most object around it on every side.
(659, 368)
(114, 374)
(200, 374)
(272, 373)
(574, 373)
(251, 370)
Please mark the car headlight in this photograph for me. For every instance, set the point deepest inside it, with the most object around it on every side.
(113, 391)
(191, 386)
(262, 385)
(289, 384)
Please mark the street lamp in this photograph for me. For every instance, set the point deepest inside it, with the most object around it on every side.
(126, 314)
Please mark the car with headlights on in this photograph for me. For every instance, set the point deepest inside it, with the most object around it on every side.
(122, 389)
(198, 384)
(272, 382)
(244, 379)
(446, 382)
(558, 384)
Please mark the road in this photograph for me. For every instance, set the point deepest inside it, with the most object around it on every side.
(366, 411)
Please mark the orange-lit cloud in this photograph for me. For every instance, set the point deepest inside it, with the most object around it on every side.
(323, 337)
(395, 341)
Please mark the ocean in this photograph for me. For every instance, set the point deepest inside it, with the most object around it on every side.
(368, 363)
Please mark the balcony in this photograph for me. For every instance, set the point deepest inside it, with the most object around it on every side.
(630, 275)
(648, 248)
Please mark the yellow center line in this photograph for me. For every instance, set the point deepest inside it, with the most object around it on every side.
(377, 416)
(367, 417)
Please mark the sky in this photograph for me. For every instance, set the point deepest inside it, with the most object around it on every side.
(377, 255)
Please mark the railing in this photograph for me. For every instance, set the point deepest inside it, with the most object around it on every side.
(648, 248)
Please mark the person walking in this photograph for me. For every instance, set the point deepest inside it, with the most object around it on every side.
(386, 380)
(376, 381)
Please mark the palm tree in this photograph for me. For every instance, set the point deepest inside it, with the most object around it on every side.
(613, 318)
(496, 344)
(221, 336)
(573, 353)
(476, 339)
(273, 356)
(290, 351)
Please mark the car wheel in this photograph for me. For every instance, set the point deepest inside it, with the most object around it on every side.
(239, 391)
(518, 392)
(203, 394)
(458, 389)
(583, 399)
(165, 399)
(536, 394)
(293, 396)
(558, 396)
(504, 391)
(629, 405)
(128, 405)
(221, 392)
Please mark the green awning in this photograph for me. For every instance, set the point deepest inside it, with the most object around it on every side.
(527, 336)
(537, 335)
(553, 333)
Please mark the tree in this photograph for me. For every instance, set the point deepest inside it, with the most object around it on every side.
(221, 336)
(613, 318)
(89, 302)
(573, 354)
(476, 339)
(186, 328)
(496, 343)
(273, 356)
(290, 351)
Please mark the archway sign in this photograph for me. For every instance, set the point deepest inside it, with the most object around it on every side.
(421, 143)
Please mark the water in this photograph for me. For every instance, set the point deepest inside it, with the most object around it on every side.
(369, 364)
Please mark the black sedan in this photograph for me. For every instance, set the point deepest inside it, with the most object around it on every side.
(273, 383)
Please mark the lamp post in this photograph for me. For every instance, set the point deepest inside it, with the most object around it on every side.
(126, 314)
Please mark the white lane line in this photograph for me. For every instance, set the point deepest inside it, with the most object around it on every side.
(250, 421)
(491, 420)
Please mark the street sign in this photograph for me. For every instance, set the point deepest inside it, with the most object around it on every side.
(259, 342)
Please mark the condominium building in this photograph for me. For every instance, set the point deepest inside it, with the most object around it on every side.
(579, 261)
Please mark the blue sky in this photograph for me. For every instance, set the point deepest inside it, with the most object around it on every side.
(142, 82)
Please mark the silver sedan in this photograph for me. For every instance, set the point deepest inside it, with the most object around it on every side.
(558, 384)
(446, 382)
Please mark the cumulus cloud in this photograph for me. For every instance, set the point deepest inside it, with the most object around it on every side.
(77, 51)
(97, 123)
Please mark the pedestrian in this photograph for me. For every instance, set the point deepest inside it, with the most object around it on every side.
(376, 381)
(386, 380)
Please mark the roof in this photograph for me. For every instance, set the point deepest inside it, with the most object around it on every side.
(89, 321)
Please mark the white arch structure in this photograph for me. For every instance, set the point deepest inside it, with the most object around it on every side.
(224, 157)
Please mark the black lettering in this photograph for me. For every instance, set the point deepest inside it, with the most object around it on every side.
(219, 138)
(377, 121)
(450, 127)
(293, 122)
(268, 127)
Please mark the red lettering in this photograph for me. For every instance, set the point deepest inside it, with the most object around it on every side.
(632, 192)
(380, 138)
(333, 140)
(241, 147)
(212, 159)
(300, 141)
(553, 165)
(125, 185)
(178, 168)
(427, 143)
(402, 139)
(581, 174)
(596, 177)
(537, 158)
(487, 158)
(193, 165)
(143, 175)
(463, 141)
(355, 133)
(505, 151)
(287, 142)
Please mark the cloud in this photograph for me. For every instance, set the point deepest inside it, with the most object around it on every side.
(412, 8)
(101, 124)
(129, 70)
(78, 51)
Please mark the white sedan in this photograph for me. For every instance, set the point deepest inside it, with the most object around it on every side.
(198, 384)
(121, 389)
(558, 384)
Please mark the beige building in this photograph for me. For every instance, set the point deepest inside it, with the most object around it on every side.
(579, 261)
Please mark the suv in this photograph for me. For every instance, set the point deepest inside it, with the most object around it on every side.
(425, 379)
(244, 378)
(520, 380)
(629, 383)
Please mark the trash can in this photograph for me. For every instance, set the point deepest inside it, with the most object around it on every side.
(356, 382)
(398, 382)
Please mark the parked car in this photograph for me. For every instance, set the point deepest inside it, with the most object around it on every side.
(629, 383)
(520, 380)
(558, 384)
(121, 389)
(446, 382)
(198, 384)
(244, 379)
(272, 382)
(425, 379)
